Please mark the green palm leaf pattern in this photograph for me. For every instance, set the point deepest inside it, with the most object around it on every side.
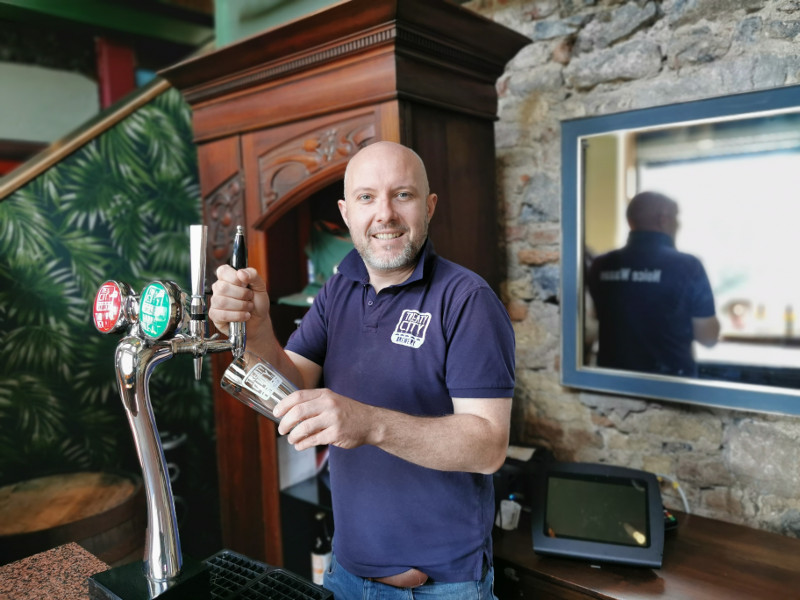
(41, 293)
(117, 208)
(25, 230)
(168, 256)
(46, 349)
(88, 256)
(94, 359)
(93, 186)
(40, 417)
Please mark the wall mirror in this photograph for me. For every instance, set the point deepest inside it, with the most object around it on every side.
(733, 166)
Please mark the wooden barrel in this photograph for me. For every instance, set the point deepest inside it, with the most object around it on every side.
(103, 512)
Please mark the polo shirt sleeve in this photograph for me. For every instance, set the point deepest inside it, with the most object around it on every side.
(310, 339)
(480, 359)
(702, 295)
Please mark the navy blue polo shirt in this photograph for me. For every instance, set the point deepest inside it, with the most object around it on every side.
(441, 334)
(646, 295)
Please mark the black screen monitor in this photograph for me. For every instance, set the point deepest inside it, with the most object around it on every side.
(598, 512)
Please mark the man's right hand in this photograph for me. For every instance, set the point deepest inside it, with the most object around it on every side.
(239, 296)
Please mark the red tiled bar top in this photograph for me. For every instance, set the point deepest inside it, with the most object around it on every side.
(61, 573)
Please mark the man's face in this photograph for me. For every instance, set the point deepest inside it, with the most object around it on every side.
(387, 207)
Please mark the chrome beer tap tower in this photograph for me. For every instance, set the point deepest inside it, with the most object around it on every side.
(159, 323)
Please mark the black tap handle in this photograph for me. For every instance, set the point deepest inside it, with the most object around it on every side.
(238, 332)
(239, 256)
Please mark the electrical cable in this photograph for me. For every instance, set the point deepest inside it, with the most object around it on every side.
(676, 486)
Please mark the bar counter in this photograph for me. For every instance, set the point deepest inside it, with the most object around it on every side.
(704, 559)
(61, 573)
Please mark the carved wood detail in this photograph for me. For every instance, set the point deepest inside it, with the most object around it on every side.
(224, 210)
(427, 48)
(298, 159)
(284, 69)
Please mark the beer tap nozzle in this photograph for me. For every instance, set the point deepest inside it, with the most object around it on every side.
(197, 324)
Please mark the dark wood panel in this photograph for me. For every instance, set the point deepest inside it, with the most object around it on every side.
(218, 161)
(239, 466)
(458, 151)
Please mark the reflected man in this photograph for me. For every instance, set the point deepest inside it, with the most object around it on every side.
(651, 300)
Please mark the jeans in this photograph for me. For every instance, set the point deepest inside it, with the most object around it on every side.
(346, 586)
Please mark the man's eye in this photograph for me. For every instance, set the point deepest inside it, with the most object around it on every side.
(364, 197)
(404, 195)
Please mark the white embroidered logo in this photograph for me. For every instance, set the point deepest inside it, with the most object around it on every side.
(410, 329)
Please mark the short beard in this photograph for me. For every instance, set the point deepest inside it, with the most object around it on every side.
(407, 256)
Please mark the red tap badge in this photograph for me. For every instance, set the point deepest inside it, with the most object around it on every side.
(107, 307)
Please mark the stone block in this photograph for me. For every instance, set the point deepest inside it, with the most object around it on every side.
(764, 456)
(610, 27)
(697, 45)
(682, 12)
(783, 30)
(639, 59)
(539, 256)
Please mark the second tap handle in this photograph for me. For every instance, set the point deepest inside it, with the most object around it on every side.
(238, 336)
(197, 238)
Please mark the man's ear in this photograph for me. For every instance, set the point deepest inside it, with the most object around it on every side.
(430, 202)
(342, 204)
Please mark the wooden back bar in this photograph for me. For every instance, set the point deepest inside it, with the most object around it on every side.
(704, 559)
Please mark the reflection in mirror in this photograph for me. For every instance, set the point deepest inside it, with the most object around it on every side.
(651, 301)
(733, 172)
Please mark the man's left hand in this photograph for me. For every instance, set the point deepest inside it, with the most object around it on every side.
(319, 416)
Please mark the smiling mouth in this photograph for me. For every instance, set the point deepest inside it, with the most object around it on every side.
(386, 236)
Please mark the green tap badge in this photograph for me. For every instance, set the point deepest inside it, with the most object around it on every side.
(154, 310)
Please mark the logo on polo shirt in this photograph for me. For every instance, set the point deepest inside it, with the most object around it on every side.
(410, 329)
(641, 276)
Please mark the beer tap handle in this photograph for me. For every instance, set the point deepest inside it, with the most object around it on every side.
(197, 325)
(238, 336)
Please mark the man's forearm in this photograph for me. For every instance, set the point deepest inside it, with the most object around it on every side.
(458, 442)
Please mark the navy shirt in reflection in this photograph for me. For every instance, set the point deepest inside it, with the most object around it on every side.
(645, 296)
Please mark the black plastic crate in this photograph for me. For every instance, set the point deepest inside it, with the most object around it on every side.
(237, 577)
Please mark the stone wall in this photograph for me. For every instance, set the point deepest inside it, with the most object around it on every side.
(592, 57)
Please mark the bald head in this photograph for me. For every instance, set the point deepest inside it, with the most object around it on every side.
(392, 153)
(651, 211)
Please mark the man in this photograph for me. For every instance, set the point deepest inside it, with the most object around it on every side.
(651, 300)
(417, 354)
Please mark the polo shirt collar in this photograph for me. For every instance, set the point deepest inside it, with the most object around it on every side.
(650, 238)
(353, 267)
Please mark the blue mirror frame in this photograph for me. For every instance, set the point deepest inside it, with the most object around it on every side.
(723, 394)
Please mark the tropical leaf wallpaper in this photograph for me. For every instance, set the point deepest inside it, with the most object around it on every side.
(119, 208)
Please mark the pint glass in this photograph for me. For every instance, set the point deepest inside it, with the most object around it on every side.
(253, 381)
